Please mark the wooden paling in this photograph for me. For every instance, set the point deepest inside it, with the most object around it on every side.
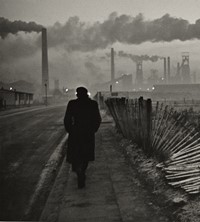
(169, 135)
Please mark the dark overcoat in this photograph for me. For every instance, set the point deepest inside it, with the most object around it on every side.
(82, 120)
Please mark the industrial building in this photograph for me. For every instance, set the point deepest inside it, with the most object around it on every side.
(139, 79)
(176, 92)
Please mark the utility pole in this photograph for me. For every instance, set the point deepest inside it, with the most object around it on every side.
(45, 94)
(111, 88)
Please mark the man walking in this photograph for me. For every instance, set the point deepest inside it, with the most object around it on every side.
(82, 120)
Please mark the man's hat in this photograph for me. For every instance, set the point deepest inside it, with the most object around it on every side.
(81, 92)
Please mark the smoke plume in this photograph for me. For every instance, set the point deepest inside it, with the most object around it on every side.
(80, 36)
(136, 58)
(7, 27)
(76, 35)
(16, 47)
(94, 71)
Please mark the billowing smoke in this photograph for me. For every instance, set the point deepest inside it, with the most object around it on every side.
(76, 35)
(136, 58)
(80, 36)
(16, 47)
(7, 27)
(94, 71)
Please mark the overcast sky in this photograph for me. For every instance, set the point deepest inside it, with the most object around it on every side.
(47, 12)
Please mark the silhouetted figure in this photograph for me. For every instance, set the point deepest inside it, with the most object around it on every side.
(82, 120)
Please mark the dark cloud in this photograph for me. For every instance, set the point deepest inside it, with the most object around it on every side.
(16, 47)
(76, 35)
(94, 72)
(80, 36)
(7, 27)
(136, 58)
(14, 44)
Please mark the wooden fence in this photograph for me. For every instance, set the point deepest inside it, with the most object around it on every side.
(172, 136)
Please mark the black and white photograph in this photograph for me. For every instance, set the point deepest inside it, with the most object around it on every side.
(100, 110)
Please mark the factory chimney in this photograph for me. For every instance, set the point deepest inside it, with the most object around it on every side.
(169, 71)
(165, 70)
(112, 67)
(178, 70)
(45, 72)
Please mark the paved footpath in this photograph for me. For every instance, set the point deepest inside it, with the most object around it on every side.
(112, 192)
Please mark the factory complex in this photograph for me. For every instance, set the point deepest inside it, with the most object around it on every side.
(168, 86)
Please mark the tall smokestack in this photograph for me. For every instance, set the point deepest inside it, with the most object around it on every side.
(112, 67)
(169, 72)
(178, 70)
(45, 71)
(165, 70)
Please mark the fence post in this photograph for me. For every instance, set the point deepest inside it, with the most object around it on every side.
(149, 126)
(140, 120)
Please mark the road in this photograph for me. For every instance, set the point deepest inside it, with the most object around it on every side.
(27, 140)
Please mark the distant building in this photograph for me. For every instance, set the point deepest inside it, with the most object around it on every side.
(12, 98)
(20, 85)
(176, 91)
(127, 82)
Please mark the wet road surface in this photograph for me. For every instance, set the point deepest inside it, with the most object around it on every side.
(27, 140)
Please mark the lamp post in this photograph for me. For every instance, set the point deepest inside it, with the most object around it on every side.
(111, 88)
(45, 94)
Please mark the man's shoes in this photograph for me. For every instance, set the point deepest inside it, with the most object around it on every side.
(81, 180)
(73, 168)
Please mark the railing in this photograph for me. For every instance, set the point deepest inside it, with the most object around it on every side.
(172, 136)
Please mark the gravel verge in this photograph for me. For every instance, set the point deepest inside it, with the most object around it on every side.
(175, 202)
